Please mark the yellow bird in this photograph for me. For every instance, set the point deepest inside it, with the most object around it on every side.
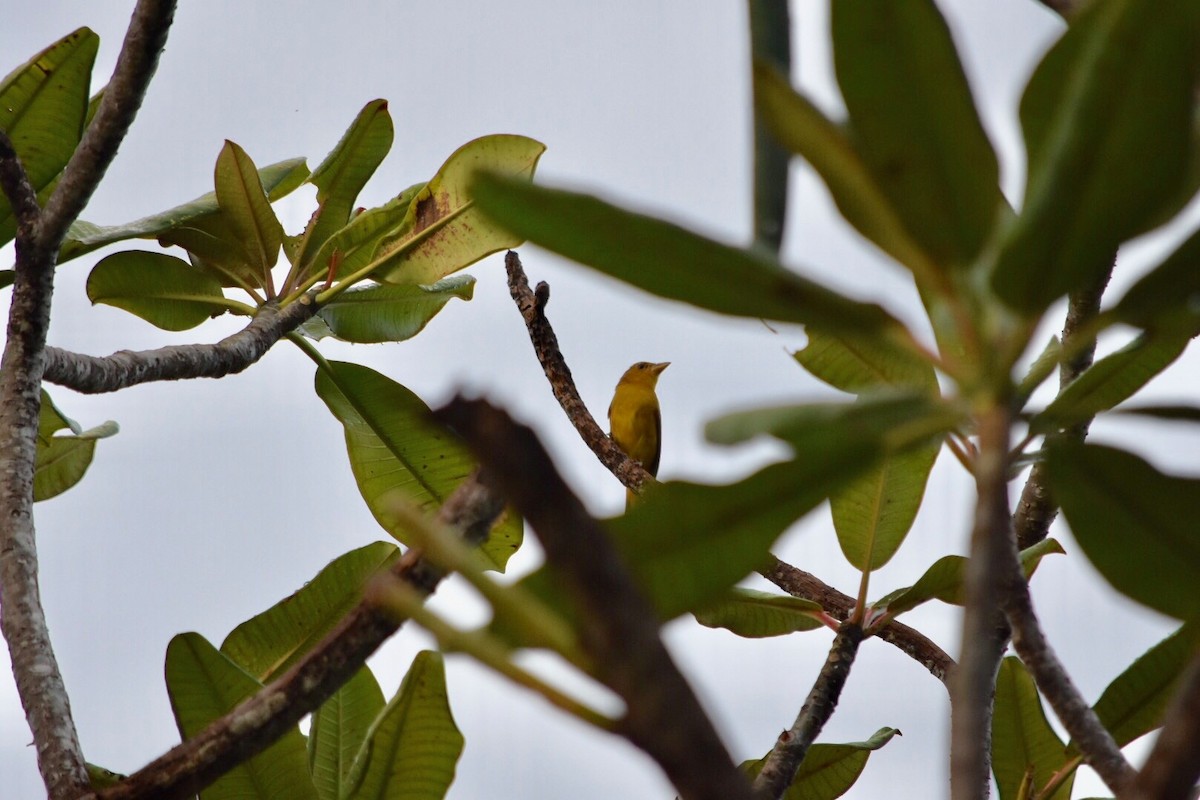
(634, 421)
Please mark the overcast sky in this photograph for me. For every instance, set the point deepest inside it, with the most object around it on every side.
(218, 498)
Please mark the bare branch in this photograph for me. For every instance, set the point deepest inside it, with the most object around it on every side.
(1173, 768)
(95, 375)
(781, 763)
(532, 306)
(620, 632)
(278, 707)
(144, 41)
(910, 641)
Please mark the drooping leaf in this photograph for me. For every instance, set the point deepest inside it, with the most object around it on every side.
(1133, 704)
(413, 748)
(243, 199)
(63, 460)
(203, 685)
(399, 455)
(915, 123)
(267, 644)
(1167, 294)
(83, 237)
(1113, 379)
(1022, 739)
(389, 313)
(444, 231)
(829, 770)
(857, 365)
(1136, 525)
(43, 105)
(343, 173)
(944, 580)
(771, 43)
(668, 260)
(215, 247)
(756, 614)
(1107, 119)
(163, 290)
(339, 729)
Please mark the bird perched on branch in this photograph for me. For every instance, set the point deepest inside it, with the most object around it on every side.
(635, 423)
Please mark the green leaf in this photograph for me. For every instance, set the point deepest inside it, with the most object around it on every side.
(944, 580)
(1041, 369)
(1133, 704)
(43, 105)
(1167, 294)
(829, 770)
(356, 243)
(669, 261)
(7, 276)
(859, 364)
(204, 685)
(243, 199)
(755, 614)
(873, 514)
(803, 129)
(163, 290)
(63, 460)
(1107, 119)
(1136, 525)
(399, 454)
(268, 644)
(413, 748)
(339, 729)
(1022, 739)
(1112, 380)
(389, 313)
(344, 172)
(915, 123)
(771, 43)
(444, 231)
(83, 237)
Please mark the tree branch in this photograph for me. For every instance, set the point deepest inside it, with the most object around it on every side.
(532, 306)
(136, 63)
(95, 374)
(14, 181)
(779, 768)
(620, 629)
(1173, 768)
(910, 641)
(278, 707)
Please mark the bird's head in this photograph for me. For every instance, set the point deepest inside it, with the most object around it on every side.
(644, 373)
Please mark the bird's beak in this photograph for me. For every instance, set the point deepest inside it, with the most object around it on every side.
(658, 368)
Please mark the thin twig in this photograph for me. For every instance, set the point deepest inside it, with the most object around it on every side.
(278, 707)
(1173, 767)
(620, 630)
(779, 768)
(972, 689)
(910, 641)
(144, 42)
(234, 353)
(532, 306)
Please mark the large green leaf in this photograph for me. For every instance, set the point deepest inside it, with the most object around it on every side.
(356, 243)
(1166, 294)
(829, 770)
(1136, 525)
(344, 172)
(1113, 379)
(339, 729)
(756, 614)
(859, 364)
(413, 748)
(944, 580)
(204, 685)
(443, 230)
(386, 312)
(83, 237)
(915, 123)
(43, 105)
(1107, 119)
(668, 260)
(1133, 704)
(63, 460)
(243, 199)
(399, 454)
(770, 42)
(1022, 740)
(269, 643)
(163, 290)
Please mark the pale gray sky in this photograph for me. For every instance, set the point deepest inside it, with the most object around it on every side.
(218, 498)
